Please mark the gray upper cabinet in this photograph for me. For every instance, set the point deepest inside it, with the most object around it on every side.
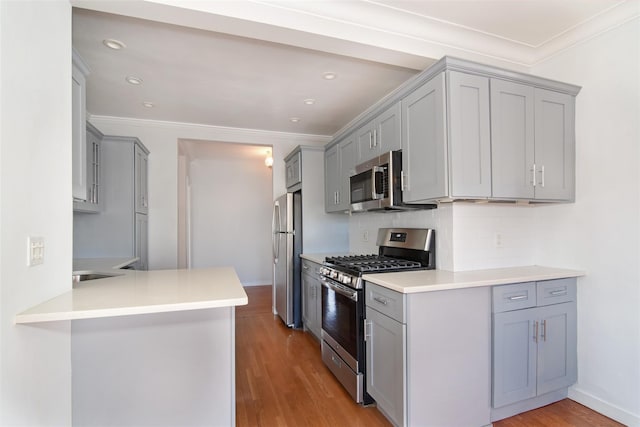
(533, 142)
(340, 161)
(469, 135)
(380, 134)
(293, 174)
(424, 154)
(120, 228)
(79, 72)
(93, 200)
(141, 186)
(470, 131)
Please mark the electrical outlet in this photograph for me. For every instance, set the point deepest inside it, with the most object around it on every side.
(365, 236)
(497, 240)
(35, 250)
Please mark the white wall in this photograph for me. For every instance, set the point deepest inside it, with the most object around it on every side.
(161, 138)
(600, 233)
(231, 204)
(35, 200)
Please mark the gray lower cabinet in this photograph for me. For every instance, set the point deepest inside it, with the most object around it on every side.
(386, 364)
(339, 162)
(120, 229)
(311, 298)
(533, 142)
(428, 356)
(93, 200)
(534, 342)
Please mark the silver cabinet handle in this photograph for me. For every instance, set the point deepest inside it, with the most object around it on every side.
(544, 330)
(542, 176)
(558, 292)
(517, 297)
(381, 300)
(367, 329)
(304, 267)
(535, 331)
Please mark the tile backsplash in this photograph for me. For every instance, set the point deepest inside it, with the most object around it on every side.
(468, 236)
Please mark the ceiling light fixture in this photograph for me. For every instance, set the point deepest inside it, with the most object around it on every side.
(148, 104)
(309, 101)
(268, 161)
(294, 119)
(113, 44)
(133, 80)
(329, 75)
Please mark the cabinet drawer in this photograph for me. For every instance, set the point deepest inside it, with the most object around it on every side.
(514, 297)
(556, 291)
(386, 301)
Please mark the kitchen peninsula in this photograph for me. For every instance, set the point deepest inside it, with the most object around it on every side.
(151, 347)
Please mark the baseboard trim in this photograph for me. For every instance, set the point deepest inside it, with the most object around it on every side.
(605, 408)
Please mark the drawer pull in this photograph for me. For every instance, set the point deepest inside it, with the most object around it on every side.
(558, 292)
(381, 300)
(517, 297)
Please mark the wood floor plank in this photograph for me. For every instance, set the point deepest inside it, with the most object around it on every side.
(282, 382)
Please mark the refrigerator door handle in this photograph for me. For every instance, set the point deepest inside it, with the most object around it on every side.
(275, 242)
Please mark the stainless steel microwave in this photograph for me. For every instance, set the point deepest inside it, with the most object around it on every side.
(377, 185)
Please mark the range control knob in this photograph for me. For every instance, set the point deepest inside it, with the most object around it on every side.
(346, 279)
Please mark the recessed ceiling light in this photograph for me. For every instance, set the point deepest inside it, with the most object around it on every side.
(134, 80)
(294, 119)
(329, 75)
(148, 104)
(309, 101)
(113, 44)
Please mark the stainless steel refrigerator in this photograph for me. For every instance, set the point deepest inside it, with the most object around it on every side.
(287, 246)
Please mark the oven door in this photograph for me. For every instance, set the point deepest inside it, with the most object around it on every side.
(342, 321)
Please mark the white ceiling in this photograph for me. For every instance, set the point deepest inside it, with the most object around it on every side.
(251, 64)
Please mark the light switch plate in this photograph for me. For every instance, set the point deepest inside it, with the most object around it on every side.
(35, 250)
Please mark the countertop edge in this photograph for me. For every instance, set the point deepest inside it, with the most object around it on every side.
(23, 318)
(524, 276)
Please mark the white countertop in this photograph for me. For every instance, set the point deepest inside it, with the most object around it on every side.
(142, 292)
(439, 280)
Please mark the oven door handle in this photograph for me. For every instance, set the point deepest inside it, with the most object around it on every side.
(339, 289)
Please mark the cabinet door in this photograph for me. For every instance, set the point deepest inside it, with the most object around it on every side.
(389, 129)
(78, 135)
(557, 349)
(386, 364)
(554, 145)
(141, 241)
(141, 170)
(469, 135)
(348, 151)
(512, 140)
(514, 356)
(424, 157)
(331, 179)
(292, 170)
(307, 302)
(367, 148)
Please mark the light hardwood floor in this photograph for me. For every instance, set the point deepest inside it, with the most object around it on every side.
(281, 381)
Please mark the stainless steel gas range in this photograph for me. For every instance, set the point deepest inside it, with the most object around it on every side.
(343, 346)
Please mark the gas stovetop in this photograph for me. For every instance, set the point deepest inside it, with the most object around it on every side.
(359, 264)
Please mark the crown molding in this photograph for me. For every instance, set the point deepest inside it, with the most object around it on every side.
(221, 133)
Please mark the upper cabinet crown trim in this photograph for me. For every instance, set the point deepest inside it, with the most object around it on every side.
(448, 63)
